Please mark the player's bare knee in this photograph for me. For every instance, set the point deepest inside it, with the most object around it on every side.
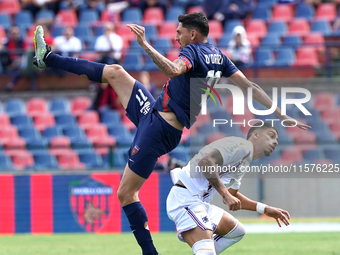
(112, 72)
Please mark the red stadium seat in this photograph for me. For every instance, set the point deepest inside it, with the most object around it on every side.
(66, 18)
(326, 11)
(108, 16)
(324, 101)
(292, 154)
(257, 27)
(299, 27)
(14, 145)
(195, 9)
(254, 40)
(79, 105)
(9, 6)
(4, 120)
(100, 138)
(172, 54)
(168, 30)
(8, 133)
(41, 122)
(335, 127)
(59, 145)
(331, 115)
(215, 136)
(70, 161)
(215, 29)
(125, 32)
(22, 160)
(2, 34)
(36, 107)
(283, 12)
(305, 137)
(88, 118)
(306, 56)
(163, 160)
(185, 135)
(128, 123)
(153, 15)
(315, 40)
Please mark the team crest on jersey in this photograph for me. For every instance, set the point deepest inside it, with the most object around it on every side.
(135, 150)
(89, 202)
(205, 219)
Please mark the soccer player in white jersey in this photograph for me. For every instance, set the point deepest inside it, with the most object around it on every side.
(219, 168)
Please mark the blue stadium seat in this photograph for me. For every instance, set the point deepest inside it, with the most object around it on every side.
(57, 31)
(264, 57)
(99, 30)
(133, 62)
(110, 118)
(119, 158)
(293, 41)
(15, 107)
(23, 19)
(173, 13)
(266, 3)
(271, 41)
(314, 154)
(261, 13)
(91, 159)
(38, 144)
(132, 15)
(59, 105)
(74, 133)
(121, 134)
(332, 153)
(285, 57)
(321, 26)
(88, 16)
(150, 32)
(180, 153)
(44, 160)
(229, 25)
(5, 21)
(224, 40)
(197, 140)
(322, 137)
(5, 163)
(207, 129)
(150, 65)
(229, 130)
(22, 121)
(65, 120)
(45, 14)
(162, 45)
(304, 11)
(278, 28)
(220, 114)
(50, 132)
(83, 32)
(29, 133)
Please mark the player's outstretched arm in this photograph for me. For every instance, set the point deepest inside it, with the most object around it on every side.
(209, 166)
(170, 69)
(276, 213)
(261, 96)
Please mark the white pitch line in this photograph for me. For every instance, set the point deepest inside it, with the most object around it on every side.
(293, 227)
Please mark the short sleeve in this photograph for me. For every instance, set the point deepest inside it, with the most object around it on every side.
(231, 151)
(229, 67)
(187, 55)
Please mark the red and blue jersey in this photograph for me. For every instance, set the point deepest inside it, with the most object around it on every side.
(185, 100)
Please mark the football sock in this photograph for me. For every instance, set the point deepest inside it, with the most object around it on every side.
(92, 70)
(235, 235)
(204, 247)
(138, 219)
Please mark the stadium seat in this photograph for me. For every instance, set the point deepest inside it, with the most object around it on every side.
(315, 40)
(285, 57)
(15, 107)
(172, 54)
(306, 56)
(45, 15)
(125, 32)
(229, 25)
(215, 29)
(51, 132)
(332, 154)
(65, 120)
(277, 27)
(132, 15)
(254, 40)
(331, 115)
(283, 12)
(29, 133)
(91, 159)
(326, 11)
(292, 154)
(2, 36)
(43, 121)
(133, 61)
(23, 19)
(36, 107)
(151, 32)
(335, 127)
(100, 138)
(74, 133)
(88, 118)
(4, 120)
(168, 30)
(321, 26)
(45, 161)
(13, 145)
(118, 159)
(70, 161)
(79, 105)
(5, 20)
(266, 3)
(83, 32)
(256, 26)
(153, 15)
(162, 44)
(57, 30)
(5, 163)
(66, 18)
(264, 57)
(59, 145)
(223, 42)
(314, 154)
(22, 121)
(193, 9)
(23, 160)
(304, 11)
(128, 123)
(323, 101)
(215, 136)
(110, 118)
(9, 6)
(262, 13)
(109, 16)
(197, 140)
(121, 134)
(299, 27)
(173, 13)
(271, 42)
(37, 145)
(293, 41)
(180, 153)
(88, 17)
(59, 105)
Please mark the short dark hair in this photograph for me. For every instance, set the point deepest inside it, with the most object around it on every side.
(195, 20)
(259, 125)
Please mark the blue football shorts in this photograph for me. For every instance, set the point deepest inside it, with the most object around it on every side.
(154, 137)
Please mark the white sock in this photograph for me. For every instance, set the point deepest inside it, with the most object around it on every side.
(235, 235)
(204, 247)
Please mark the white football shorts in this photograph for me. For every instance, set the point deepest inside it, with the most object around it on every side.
(189, 211)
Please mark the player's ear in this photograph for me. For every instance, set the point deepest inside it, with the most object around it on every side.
(256, 134)
(193, 34)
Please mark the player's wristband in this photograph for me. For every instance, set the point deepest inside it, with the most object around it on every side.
(260, 207)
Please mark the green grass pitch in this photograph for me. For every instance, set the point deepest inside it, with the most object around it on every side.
(167, 244)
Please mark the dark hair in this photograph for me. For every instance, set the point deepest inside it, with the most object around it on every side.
(259, 125)
(195, 20)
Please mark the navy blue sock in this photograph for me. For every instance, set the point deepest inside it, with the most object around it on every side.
(137, 217)
(92, 70)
